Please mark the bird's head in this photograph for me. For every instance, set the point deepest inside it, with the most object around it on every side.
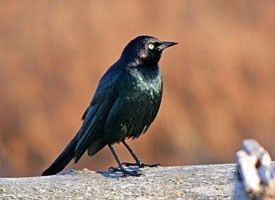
(145, 50)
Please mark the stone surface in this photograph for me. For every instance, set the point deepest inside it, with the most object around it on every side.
(189, 182)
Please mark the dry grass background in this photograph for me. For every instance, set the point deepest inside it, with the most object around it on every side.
(219, 81)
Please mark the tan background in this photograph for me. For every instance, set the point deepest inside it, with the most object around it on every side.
(219, 81)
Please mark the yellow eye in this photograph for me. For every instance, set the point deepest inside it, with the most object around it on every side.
(151, 46)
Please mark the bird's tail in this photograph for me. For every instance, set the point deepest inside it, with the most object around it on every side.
(63, 159)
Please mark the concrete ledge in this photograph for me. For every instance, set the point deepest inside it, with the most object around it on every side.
(189, 182)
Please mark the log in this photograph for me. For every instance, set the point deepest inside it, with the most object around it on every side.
(256, 169)
(189, 182)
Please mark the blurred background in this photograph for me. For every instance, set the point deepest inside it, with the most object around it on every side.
(219, 82)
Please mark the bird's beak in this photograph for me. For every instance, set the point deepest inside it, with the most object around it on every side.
(164, 45)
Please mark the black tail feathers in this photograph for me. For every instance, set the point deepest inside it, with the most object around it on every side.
(63, 159)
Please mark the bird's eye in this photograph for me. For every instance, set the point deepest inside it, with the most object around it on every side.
(151, 46)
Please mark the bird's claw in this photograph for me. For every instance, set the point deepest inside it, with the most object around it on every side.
(130, 172)
(140, 164)
(149, 165)
(126, 172)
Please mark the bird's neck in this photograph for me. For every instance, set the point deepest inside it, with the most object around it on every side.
(137, 63)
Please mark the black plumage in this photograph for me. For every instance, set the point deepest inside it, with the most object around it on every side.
(125, 103)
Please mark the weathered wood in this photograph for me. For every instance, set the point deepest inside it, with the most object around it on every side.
(190, 182)
(256, 170)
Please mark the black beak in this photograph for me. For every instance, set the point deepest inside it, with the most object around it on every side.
(164, 45)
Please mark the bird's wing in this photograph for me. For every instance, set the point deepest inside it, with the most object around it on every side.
(97, 111)
(105, 90)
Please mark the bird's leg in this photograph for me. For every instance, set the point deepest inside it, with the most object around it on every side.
(121, 168)
(138, 161)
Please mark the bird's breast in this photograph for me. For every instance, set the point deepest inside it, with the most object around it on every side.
(136, 106)
(143, 85)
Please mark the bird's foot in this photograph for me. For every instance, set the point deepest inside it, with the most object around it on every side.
(126, 172)
(140, 164)
(149, 165)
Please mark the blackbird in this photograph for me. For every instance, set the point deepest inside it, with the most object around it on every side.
(124, 105)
